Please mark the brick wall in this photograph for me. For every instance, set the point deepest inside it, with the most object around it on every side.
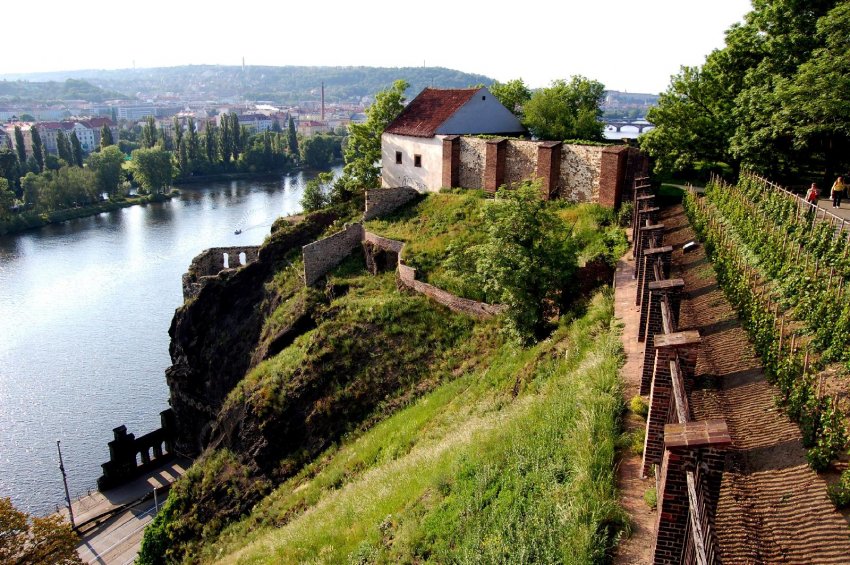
(323, 255)
(380, 201)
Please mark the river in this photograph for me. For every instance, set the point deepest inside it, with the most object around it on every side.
(86, 307)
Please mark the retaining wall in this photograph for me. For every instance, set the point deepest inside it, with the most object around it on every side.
(381, 201)
(323, 255)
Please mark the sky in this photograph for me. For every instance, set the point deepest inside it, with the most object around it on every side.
(632, 45)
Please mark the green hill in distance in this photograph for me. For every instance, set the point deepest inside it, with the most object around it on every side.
(220, 82)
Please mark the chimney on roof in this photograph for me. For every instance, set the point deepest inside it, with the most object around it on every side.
(323, 101)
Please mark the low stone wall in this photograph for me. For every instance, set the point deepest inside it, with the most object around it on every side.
(323, 255)
(210, 262)
(380, 201)
(407, 277)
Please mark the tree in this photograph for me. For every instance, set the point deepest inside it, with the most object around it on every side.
(292, 137)
(178, 132)
(513, 95)
(149, 135)
(225, 140)
(528, 258)
(566, 110)
(106, 136)
(107, 165)
(317, 151)
(363, 150)
(29, 539)
(63, 147)
(20, 147)
(9, 168)
(211, 144)
(37, 148)
(152, 169)
(76, 150)
(192, 144)
(317, 192)
(7, 200)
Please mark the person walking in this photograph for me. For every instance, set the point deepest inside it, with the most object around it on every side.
(812, 194)
(837, 192)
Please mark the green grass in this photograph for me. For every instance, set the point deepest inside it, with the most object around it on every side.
(511, 462)
(444, 226)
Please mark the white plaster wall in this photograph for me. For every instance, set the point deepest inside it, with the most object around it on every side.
(428, 177)
(482, 114)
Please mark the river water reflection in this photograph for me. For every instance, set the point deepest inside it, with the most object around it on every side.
(86, 307)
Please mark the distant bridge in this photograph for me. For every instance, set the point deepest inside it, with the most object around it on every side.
(641, 126)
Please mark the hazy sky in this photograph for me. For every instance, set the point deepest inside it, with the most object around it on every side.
(630, 45)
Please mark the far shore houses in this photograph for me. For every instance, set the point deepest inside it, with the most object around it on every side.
(87, 130)
(465, 138)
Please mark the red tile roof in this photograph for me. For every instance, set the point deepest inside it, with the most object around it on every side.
(429, 110)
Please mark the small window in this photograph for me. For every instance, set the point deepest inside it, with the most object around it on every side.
(398, 157)
(483, 98)
(417, 160)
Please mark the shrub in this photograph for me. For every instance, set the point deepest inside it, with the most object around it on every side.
(639, 406)
(839, 493)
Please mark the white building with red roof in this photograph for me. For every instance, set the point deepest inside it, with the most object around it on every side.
(412, 145)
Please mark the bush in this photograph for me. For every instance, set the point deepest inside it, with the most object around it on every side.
(624, 214)
(639, 406)
(839, 493)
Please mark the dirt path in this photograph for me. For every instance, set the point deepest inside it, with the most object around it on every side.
(773, 508)
(636, 549)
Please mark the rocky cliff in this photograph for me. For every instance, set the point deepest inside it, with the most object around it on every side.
(214, 336)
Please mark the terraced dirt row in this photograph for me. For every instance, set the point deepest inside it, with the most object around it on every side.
(773, 508)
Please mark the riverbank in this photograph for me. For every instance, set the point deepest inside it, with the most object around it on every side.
(32, 220)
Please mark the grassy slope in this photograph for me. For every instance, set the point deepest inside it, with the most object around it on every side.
(510, 462)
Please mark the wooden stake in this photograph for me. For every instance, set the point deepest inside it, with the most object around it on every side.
(806, 362)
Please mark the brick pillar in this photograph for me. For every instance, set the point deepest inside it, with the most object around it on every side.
(641, 202)
(451, 161)
(667, 348)
(646, 217)
(651, 324)
(649, 238)
(549, 167)
(696, 448)
(612, 171)
(494, 164)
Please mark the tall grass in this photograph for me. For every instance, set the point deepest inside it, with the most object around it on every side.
(512, 462)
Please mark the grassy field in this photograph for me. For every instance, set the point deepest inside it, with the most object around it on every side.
(512, 462)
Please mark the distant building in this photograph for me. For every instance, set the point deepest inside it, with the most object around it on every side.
(87, 130)
(312, 127)
(412, 145)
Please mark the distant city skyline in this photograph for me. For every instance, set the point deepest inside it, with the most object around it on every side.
(626, 45)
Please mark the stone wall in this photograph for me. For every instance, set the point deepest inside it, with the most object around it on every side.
(407, 277)
(579, 178)
(520, 161)
(323, 255)
(130, 457)
(473, 153)
(380, 201)
(210, 262)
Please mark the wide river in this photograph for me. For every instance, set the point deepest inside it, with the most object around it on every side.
(86, 307)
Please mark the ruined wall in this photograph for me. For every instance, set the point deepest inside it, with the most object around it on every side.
(380, 201)
(580, 169)
(472, 158)
(407, 277)
(210, 262)
(323, 255)
(520, 161)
